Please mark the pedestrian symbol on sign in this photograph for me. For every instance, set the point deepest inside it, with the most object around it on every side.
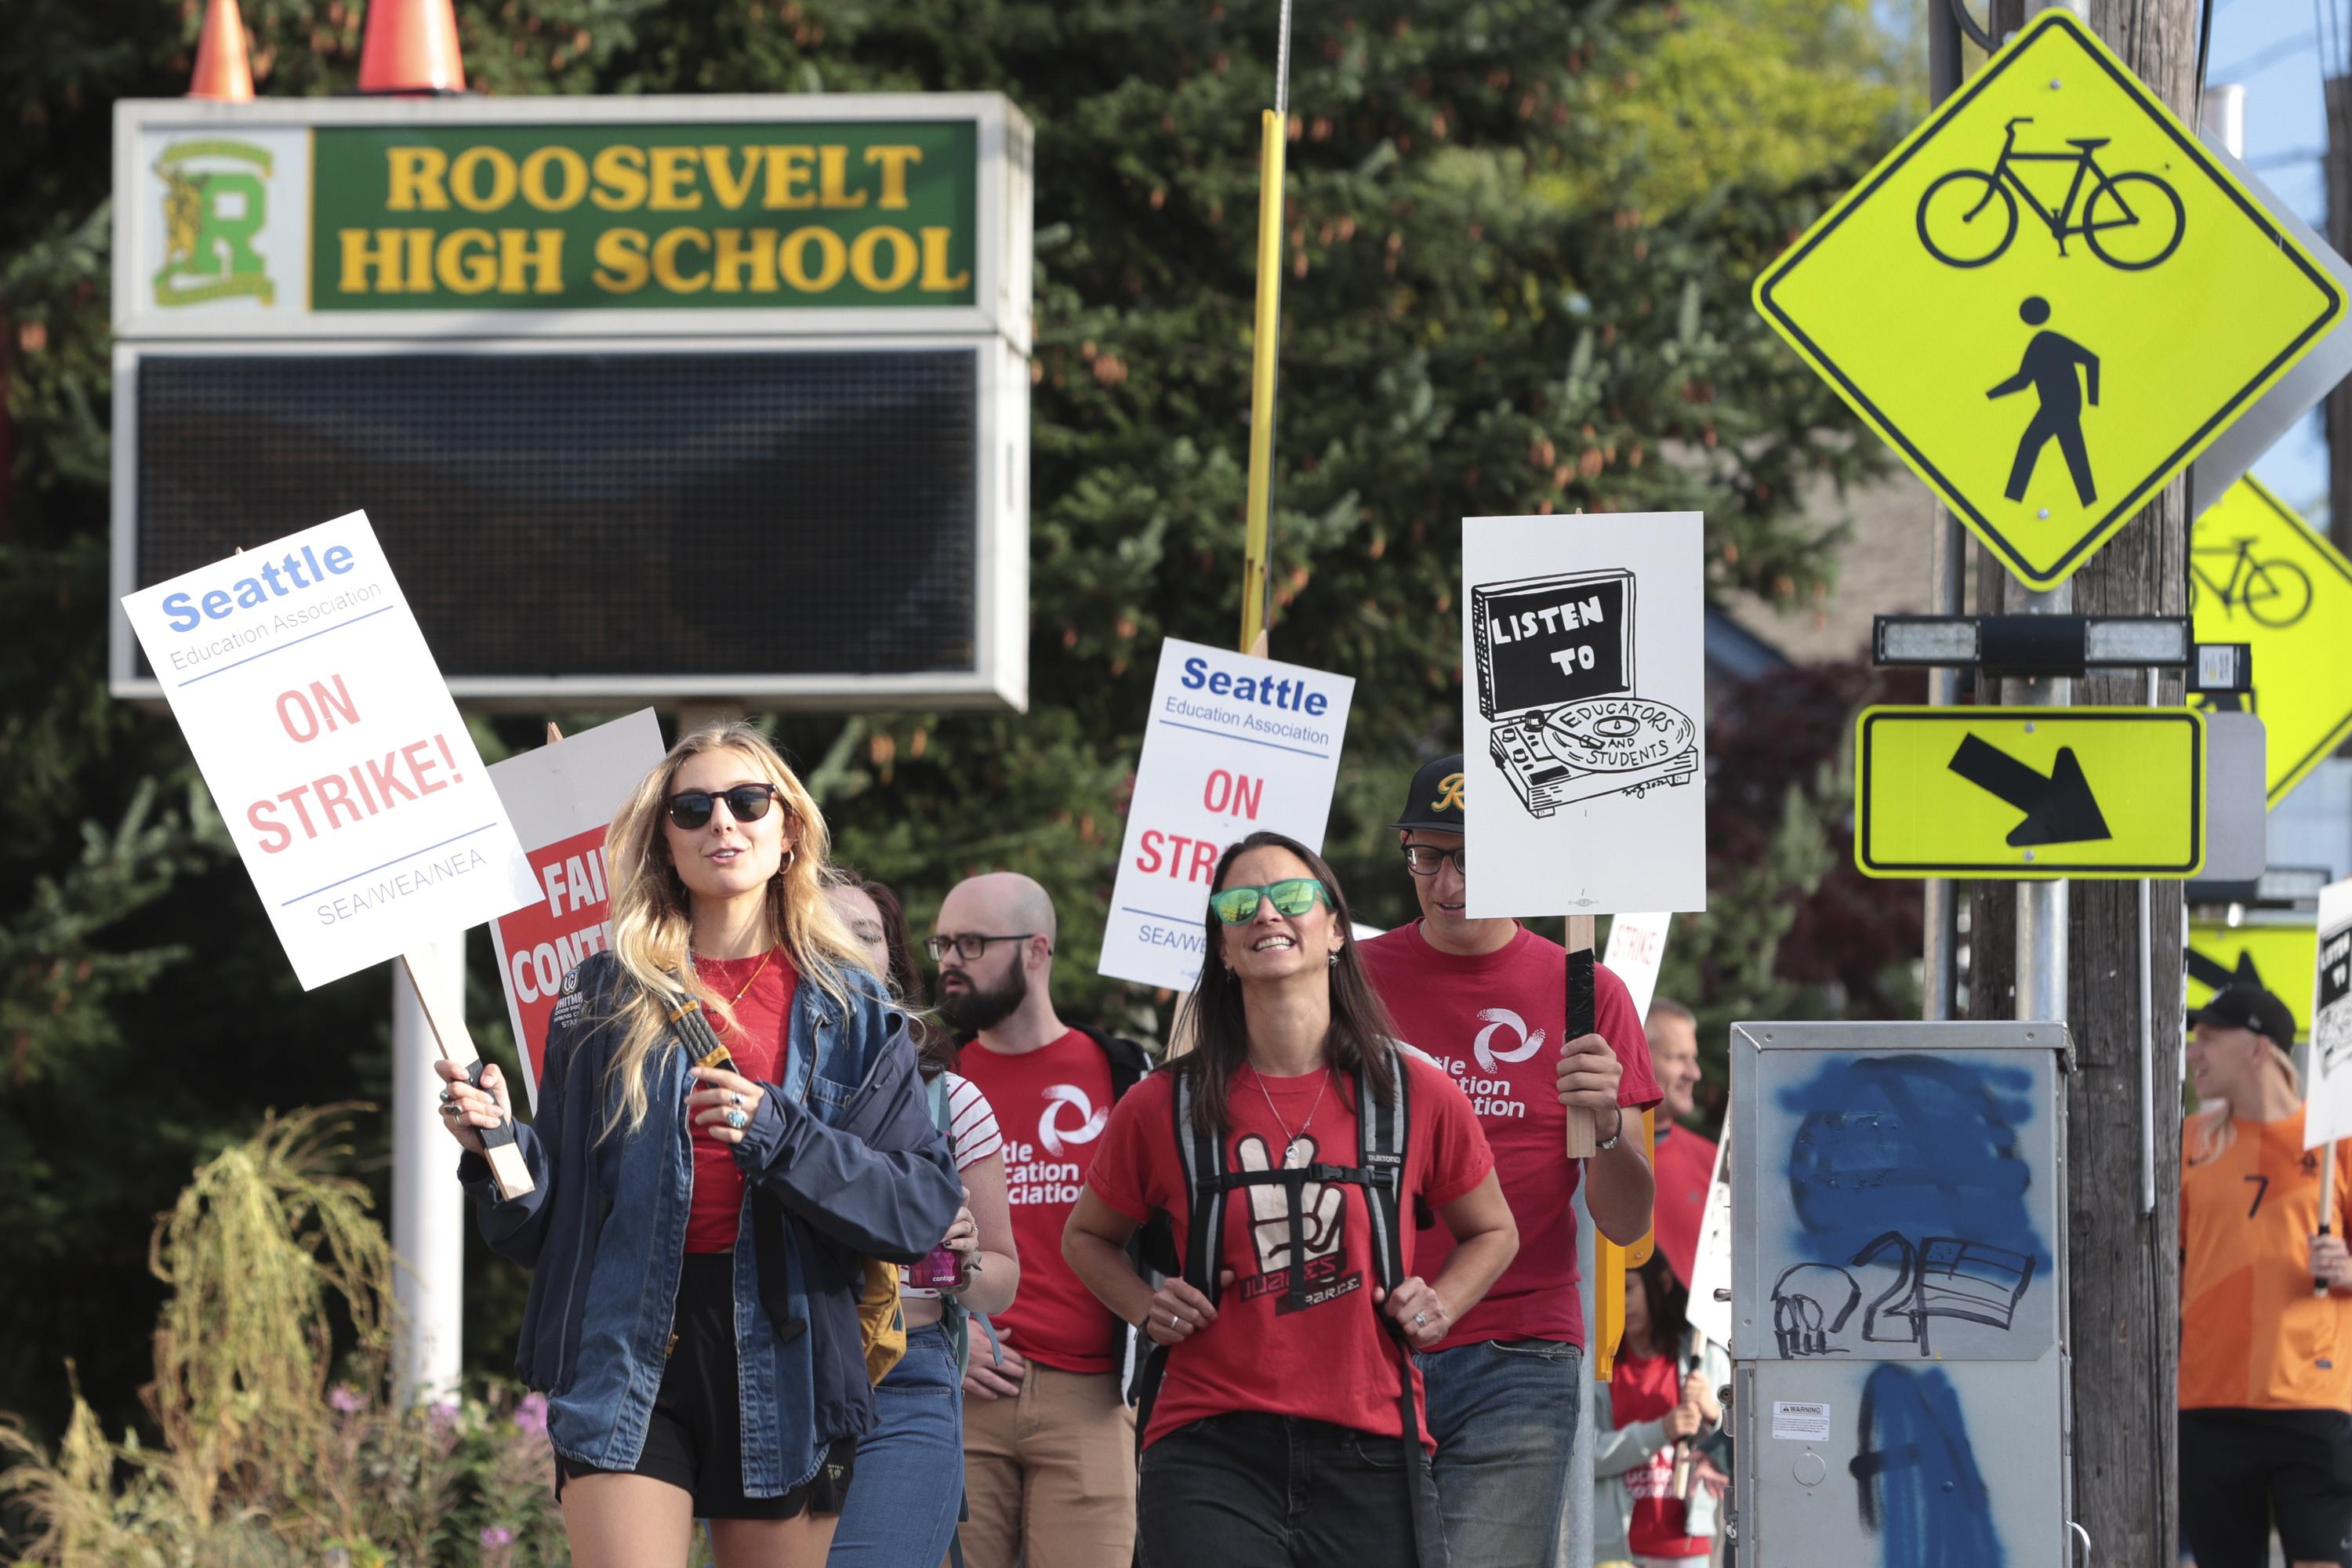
(2049, 368)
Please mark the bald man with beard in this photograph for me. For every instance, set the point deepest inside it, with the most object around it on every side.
(1049, 1434)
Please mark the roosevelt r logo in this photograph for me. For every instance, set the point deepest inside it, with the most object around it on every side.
(1498, 1019)
(215, 200)
(1070, 1117)
(1449, 793)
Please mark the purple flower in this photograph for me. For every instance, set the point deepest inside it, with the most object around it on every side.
(345, 1398)
(495, 1536)
(531, 1414)
(444, 1413)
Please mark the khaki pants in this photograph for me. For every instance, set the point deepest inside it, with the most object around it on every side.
(1050, 1477)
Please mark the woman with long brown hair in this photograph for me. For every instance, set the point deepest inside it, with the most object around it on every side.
(1286, 1367)
(729, 1125)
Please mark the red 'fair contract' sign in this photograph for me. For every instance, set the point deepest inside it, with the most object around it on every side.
(1232, 745)
(561, 798)
(331, 745)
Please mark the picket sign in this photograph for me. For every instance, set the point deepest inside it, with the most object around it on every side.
(341, 767)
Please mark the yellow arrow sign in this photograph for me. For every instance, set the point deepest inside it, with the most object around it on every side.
(2280, 959)
(2030, 793)
(2049, 299)
(2258, 575)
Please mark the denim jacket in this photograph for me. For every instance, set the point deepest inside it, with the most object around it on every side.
(841, 1161)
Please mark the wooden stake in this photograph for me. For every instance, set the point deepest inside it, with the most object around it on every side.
(448, 1025)
(1583, 1139)
(2326, 1201)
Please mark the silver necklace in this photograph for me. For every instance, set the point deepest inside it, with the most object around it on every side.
(1289, 1139)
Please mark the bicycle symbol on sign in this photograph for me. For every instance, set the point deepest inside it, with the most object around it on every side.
(2276, 593)
(2131, 221)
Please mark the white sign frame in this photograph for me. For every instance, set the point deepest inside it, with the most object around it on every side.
(552, 794)
(1627, 830)
(2327, 1099)
(1274, 763)
(441, 853)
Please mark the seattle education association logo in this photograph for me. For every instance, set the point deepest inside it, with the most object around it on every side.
(215, 200)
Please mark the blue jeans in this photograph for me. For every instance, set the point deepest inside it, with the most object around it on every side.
(1503, 1415)
(908, 1483)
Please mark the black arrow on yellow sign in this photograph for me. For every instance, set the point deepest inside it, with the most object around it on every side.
(2209, 972)
(2059, 809)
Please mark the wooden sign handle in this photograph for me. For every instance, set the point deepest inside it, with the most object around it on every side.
(1583, 1140)
(448, 1025)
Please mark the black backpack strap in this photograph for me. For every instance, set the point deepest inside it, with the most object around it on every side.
(1387, 1122)
(1203, 1255)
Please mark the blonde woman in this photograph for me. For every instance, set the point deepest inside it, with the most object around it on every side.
(697, 1233)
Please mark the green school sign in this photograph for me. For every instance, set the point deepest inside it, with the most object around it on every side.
(793, 214)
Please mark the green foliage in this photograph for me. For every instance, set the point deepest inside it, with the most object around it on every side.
(268, 1252)
(1517, 239)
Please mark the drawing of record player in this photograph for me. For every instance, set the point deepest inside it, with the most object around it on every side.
(1555, 658)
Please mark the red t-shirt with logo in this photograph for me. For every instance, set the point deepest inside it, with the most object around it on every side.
(1051, 1105)
(1684, 1170)
(1644, 1388)
(1327, 1359)
(1496, 1023)
(758, 1039)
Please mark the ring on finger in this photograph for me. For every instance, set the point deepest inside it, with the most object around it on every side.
(733, 1098)
(451, 1108)
(738, 1120)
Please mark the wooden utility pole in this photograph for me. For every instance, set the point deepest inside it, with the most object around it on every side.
(2125, 1300)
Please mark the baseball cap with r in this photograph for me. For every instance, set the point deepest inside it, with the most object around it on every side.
(1434, 802)
(2248, 1007)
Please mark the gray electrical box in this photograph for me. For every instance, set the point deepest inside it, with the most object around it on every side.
(1900, 1295)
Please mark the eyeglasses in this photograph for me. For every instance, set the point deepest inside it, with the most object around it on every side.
(967, 946)
(1423, 859)
(691, 808)
(1292, 896)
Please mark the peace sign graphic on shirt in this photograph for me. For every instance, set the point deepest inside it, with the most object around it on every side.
(1318, 1203)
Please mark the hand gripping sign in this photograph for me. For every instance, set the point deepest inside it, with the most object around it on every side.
(338, 761)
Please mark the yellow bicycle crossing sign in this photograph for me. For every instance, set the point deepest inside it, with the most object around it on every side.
(2258, 575)
(2049, 299)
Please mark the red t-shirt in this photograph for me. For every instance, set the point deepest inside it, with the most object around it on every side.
(1051, 1105)
(1327, 1361)
(1684, 1170)
(1497, 1021)
(757, 1039)
(1644, 1389)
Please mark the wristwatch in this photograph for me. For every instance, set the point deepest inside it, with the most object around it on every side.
(1618, 1131)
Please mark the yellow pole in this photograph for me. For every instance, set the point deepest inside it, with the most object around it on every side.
(1273, 128)
(1608, 1305)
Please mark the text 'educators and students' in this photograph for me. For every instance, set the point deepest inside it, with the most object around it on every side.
(410, 217)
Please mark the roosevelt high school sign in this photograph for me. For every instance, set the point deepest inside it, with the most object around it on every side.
(298, 216)
(648, 399)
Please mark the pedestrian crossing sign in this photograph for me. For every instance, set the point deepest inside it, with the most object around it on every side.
(2258, 575)
(2049, 299)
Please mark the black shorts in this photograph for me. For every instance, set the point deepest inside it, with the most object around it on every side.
(694, 1441)
(2242, 1469)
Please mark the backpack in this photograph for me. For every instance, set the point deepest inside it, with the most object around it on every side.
(1382, 1125)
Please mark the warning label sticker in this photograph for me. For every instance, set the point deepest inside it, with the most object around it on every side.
(1801, 1420)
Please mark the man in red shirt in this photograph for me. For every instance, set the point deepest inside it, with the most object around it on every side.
(1487, 1000)
(1685, 1162)
(1049, 1439)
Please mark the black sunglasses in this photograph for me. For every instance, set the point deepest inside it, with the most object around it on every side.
(691, 808)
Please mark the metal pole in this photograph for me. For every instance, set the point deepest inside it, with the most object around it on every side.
(428, 1213)
(2148, 1032)
(2041, 906)
(1946, 572)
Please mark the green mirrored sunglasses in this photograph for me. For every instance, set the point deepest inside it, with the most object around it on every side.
(1292, 896)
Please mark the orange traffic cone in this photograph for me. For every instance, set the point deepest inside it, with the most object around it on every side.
(221, 72)
(411, 46)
